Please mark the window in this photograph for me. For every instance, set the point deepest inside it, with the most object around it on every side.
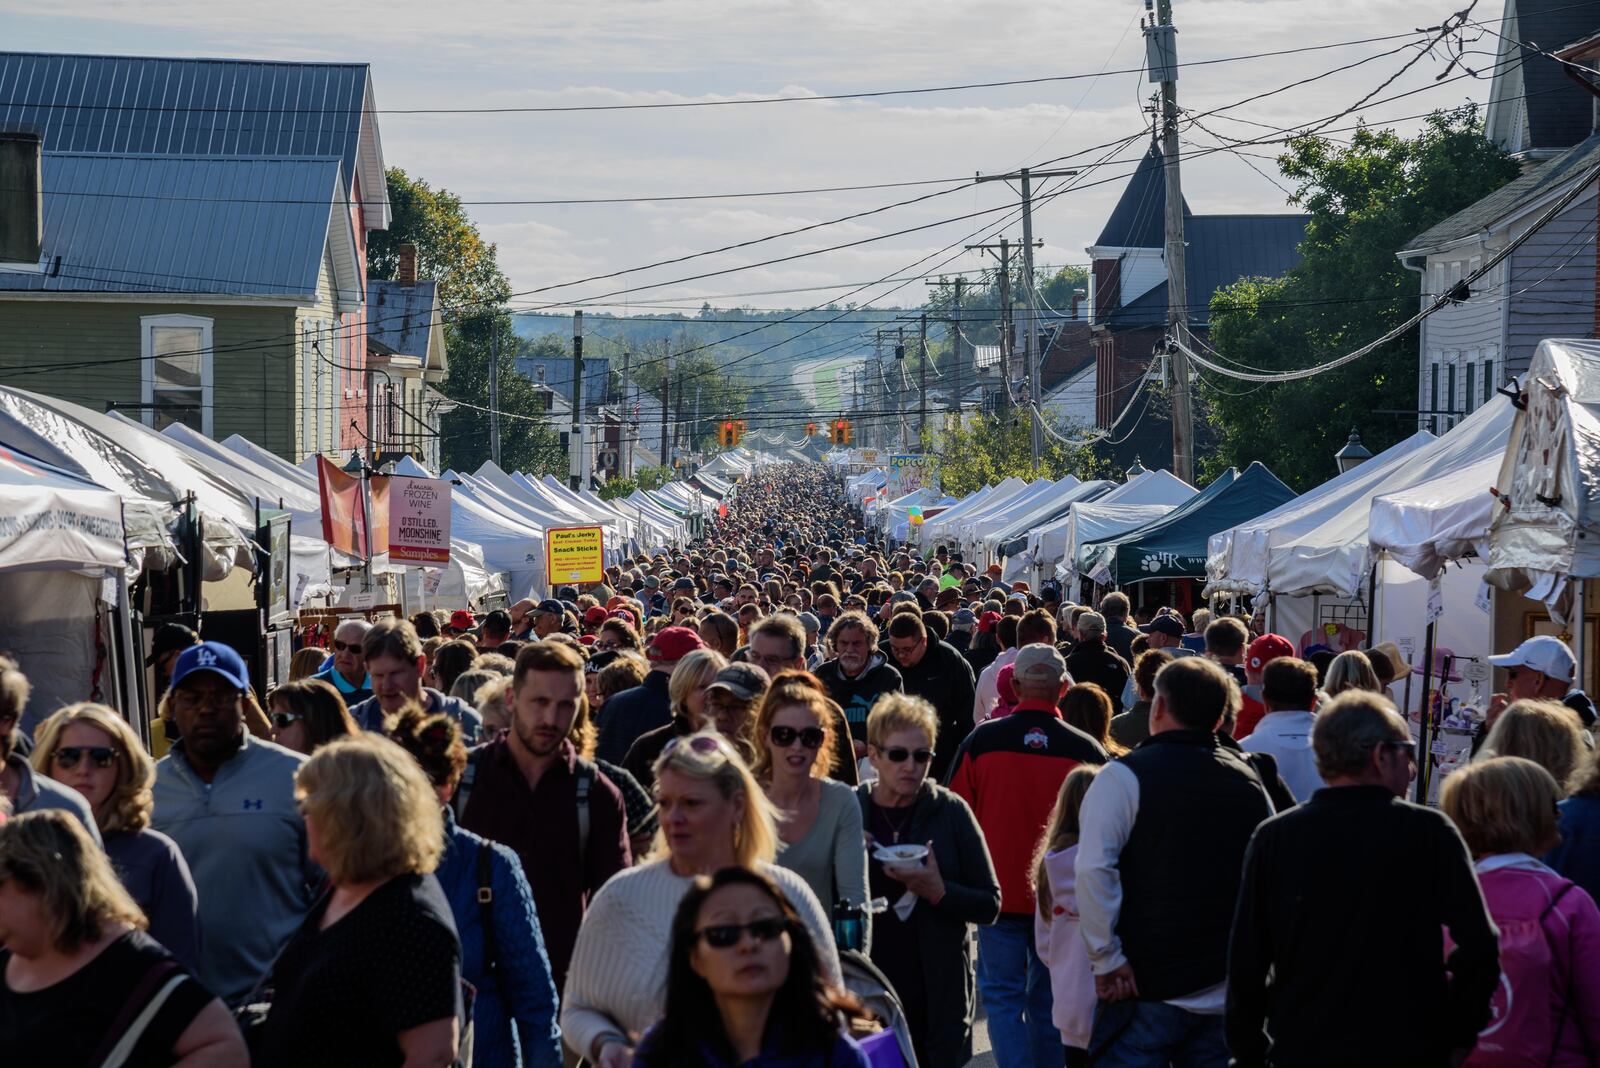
(1450, 395)
(175, 371)
(1471, 394)
(1488, 380)
(1433, 400)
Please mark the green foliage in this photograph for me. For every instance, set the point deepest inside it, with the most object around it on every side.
(1365, 201)
(617, 487)
(985, 449)
(650, 478)
(472, 294)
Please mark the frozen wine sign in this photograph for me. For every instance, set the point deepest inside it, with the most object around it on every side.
(418, 510)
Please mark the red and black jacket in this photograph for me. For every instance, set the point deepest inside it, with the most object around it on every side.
(1010, 771)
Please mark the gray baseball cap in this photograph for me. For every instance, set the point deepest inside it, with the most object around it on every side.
(744, 681)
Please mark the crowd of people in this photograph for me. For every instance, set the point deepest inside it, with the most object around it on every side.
(790, 797)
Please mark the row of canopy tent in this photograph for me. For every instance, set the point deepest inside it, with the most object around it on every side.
(1052, 548)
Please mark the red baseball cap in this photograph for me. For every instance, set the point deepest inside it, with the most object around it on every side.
(625, 614)
(1265, 649)
(586, 639)
(673, 643)
(461, 619)
(987, 622)
(595, 614)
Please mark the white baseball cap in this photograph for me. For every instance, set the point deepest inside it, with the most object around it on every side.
(1544, 654)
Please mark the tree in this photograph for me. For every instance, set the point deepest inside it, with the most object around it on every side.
(1365, 200)
(473, 292)
(985, 449)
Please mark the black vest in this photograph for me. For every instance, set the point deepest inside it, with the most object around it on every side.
(1199, 802)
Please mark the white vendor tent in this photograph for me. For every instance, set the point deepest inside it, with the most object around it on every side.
(1425, 526)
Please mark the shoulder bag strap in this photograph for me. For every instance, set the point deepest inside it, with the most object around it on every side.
(491, 958)
(1566, 999)
(586, 774)
(137, 1012)
(458, 803)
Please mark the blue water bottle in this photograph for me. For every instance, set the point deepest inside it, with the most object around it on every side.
(848, 925)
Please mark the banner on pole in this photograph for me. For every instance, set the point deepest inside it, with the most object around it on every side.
(415, 512)
(574, 554)
(344, 510)
(908, 472)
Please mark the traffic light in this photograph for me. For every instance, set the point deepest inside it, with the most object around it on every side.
(726, 433)
(839, 432)
(811, 430)
(739, 428)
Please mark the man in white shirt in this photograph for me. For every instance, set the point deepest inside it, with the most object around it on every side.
(1034, 628)
(1288, 690)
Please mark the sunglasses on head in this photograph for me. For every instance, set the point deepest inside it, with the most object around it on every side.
(899, 753)
(727, 935)
(101, 756)
(281, 720)
(699, 743)
(810, 737)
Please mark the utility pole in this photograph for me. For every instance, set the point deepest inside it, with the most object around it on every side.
(955, 348)
(630, 394)
(900, 389)
(666, 394)
(1002, 252)
(494, 391)
(1031, 332)
(1162, 50)
(922, 382)
(577, 401)
(695, 423)
(873, 387)
(677, 425)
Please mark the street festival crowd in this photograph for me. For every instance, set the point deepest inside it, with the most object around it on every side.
(789, 797)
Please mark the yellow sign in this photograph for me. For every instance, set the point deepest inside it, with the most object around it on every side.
(574, 554)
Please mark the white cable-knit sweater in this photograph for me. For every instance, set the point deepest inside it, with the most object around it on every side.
(618, 977)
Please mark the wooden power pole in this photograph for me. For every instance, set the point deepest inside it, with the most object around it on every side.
(576, 449)
(1162, 50)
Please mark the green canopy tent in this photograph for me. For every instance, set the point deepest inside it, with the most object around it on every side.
(1174, 547)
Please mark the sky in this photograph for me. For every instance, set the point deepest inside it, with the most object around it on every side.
(468, 56)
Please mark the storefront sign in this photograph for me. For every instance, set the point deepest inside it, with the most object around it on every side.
(574, 554)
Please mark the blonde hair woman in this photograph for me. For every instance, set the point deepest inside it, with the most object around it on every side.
(374, 973)
(76, 954)
(819, 818)
(1545, 732)
(686, 694)
(925, 953)
(93, 750)
(1351, 670)
(713, 815)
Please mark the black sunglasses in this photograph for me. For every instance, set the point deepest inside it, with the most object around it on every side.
(101, 756)
(726, 935)
(899, 753)
(345, 647)
(810, 737)
(281, 720)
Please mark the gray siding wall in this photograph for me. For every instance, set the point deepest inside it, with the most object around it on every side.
(1553, 284)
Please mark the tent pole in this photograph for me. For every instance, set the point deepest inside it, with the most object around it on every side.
(1580, 635)
(1425, 729)
(1372, 599)
(132, 678)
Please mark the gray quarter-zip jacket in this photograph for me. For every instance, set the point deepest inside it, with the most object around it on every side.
(246, 846)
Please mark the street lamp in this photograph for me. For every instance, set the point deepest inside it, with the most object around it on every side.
(1353, 455)
(1134, 471)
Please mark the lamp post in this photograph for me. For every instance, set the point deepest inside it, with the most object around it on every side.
(1353, 455)
(1135, 471)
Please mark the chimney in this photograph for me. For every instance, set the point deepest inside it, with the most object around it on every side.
(21, 196)
(408, 265)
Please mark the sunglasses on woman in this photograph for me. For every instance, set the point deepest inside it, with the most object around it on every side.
(727, 935)
(101, 756)
(810, 737)
(899, 753)
(281, 720)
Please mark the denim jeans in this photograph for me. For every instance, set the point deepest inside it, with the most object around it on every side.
(1153, 1034)
(1015, 987)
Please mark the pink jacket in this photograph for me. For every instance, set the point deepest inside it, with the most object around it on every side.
(1518, 886)
(1061, 948)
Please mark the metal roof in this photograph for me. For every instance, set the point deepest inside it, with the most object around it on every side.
(175, 224)
(1509, 199)
(1218, 251)
(1560, 112)
(1139, 219)
(402, 318)
(199, 107)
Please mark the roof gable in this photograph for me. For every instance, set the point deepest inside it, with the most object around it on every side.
(1534, 106)
(180, 224)
(404, 320)
(1139, 219)
(200, 107)
(1218, 251)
